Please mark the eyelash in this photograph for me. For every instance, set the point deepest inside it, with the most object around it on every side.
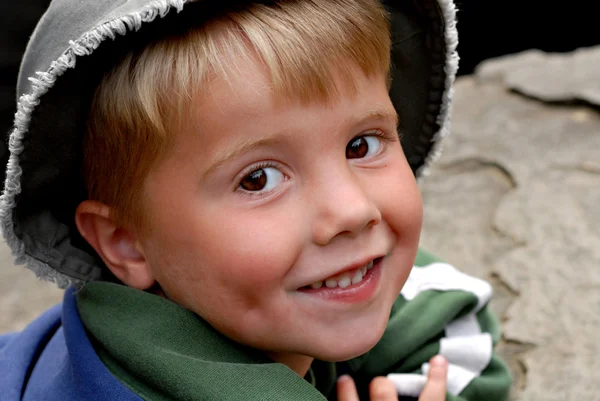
(250, 169)
(384, 136)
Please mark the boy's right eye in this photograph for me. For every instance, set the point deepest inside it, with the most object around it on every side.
(262, 179)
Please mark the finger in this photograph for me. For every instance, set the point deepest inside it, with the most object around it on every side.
(435, 388)
(382, 389)
(346, 389)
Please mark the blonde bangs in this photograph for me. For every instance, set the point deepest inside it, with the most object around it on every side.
(304, 43)
(143, 101)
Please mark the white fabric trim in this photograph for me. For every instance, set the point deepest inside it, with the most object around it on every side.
(463, 326)
(467, 358)
(407, 384)
(472, 353)
(458, 377)
(445, 277)
(467, 349)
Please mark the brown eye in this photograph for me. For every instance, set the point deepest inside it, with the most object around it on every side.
(261, 179)
(363, 146)
(255, 181)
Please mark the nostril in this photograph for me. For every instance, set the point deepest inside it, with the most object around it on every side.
(346, 212)
(374, 222)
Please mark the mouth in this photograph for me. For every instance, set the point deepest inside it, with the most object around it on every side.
(347, 279)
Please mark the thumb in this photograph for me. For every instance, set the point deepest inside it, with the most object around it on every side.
(435, 388)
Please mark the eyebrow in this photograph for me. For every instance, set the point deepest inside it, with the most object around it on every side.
(381, 113)
(244, 146)
(223, 156)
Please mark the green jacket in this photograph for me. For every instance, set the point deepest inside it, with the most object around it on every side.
(164, 352)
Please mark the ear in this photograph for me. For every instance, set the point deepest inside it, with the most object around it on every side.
(116, 246)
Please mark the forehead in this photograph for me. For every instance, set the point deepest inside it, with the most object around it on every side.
(243, 113)
(241, 120)
(246, 94)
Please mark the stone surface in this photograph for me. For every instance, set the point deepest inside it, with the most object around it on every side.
(22, 295)
(558, 77)
(514, 199)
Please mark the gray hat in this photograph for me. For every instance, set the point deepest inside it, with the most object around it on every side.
(75, 43)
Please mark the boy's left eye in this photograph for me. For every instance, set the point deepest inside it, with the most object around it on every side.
(262, 179)
(363, 146)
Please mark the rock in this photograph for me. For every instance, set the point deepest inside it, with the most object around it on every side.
(514, 199)
(550, 77)
(22, 296)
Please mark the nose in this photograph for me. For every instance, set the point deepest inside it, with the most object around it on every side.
(343, 208)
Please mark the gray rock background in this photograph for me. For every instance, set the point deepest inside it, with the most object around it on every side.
(22, 296)
(515, 199)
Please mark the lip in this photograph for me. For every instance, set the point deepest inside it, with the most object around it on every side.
(354, 266)
(354, 293)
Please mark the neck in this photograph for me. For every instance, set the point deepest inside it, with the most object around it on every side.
(298, 363)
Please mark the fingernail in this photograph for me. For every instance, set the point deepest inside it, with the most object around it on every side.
(438, 361)
(343, 378)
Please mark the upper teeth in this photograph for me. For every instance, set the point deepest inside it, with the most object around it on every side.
(345, 279)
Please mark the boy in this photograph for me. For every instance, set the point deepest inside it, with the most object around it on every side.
(223, 189)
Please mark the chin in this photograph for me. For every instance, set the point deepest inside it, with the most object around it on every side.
(351, 345)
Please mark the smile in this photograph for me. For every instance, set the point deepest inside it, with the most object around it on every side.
(345, 279)
(352, 286)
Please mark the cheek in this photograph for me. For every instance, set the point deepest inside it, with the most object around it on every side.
(253, 247)
(403, 212)
(400, 202)
(220, 257)
(231, 273)
(406, 215)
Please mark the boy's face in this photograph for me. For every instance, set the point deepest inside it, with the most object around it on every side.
(261, 198)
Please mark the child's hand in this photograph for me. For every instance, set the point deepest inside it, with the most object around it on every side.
(435, 388)
(381, 389)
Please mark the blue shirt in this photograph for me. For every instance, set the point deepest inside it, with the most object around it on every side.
(52, 359)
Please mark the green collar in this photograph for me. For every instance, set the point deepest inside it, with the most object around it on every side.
(162, 351)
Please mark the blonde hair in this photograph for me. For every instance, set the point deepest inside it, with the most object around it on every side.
(140, 104)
